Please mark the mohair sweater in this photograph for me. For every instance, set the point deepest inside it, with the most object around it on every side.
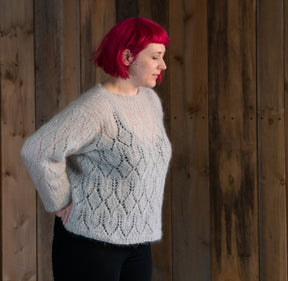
(108, 154)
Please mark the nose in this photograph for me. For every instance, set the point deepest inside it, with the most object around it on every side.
(163, 65)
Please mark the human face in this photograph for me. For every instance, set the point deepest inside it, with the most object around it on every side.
(148, 65)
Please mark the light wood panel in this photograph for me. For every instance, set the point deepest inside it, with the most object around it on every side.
(233, 140)
(271, 102)
(18, 222)
(189, 135)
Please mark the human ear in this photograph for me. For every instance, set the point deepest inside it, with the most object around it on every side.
(127, 57)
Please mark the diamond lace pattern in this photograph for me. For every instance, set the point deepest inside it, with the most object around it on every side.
(112, 170)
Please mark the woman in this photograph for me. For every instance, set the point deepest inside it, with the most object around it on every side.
(100, 164)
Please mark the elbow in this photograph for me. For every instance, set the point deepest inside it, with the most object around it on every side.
(26, 152)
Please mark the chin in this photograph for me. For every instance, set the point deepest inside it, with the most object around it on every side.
(151, 85)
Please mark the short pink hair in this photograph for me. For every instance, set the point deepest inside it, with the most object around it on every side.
(133, 34)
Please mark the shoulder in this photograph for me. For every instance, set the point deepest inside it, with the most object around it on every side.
(89, 106)
(149, 91)
(153, 97)
(93, 102)
(93, 97)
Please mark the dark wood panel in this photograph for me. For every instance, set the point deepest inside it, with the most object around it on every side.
(126, 9)
(233, 140)
(48, 59)
(70, 51)
(96, 19)
(57, 56)
(189, 135)
(18, 212)
(162, 251)
(271, 103)
(157, 10)
(286, 95)
(57, 84)
(49, 100)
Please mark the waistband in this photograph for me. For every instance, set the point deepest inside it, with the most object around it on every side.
(59, 228)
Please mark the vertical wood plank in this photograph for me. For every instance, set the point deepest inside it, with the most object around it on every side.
(71, 50)
(285, 97)
(48, 30)
(233, 140)
(232, 129)
(189, 135)
(271, 102)
(57, 84)
(96, 19)
(162, 251)
(158, 11)
(18, 224)
(126, 9)
(145, 8)
(48, 58)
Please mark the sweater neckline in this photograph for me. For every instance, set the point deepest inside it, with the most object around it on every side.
(121, 96)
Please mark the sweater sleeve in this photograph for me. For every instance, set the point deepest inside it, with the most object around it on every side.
(44, 154)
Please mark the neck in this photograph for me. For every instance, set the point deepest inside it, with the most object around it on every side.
(120, 86)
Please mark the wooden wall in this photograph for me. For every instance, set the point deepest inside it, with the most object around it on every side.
(225, 209)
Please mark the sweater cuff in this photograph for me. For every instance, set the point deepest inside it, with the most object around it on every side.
(57, 202)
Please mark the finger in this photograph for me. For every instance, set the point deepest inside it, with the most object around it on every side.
(64, 218)
(66, 214)
(59, 213)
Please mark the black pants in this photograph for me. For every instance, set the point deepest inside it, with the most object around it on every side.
(76, 258)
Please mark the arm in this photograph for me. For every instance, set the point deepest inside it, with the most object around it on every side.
(45, 153)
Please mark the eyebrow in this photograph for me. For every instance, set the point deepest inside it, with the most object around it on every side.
(158, 52)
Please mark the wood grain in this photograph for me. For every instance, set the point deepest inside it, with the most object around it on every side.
(162, 251)
(189, 136)
(285, 22)
(49, 100)
(286, 92)
(233, 140)
(57, 84)
(71, 51)
(126, 9)
(225, 206)
(271, 103)
(96, 19)
(18, 223)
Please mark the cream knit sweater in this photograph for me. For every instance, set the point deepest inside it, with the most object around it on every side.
(109, 155)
